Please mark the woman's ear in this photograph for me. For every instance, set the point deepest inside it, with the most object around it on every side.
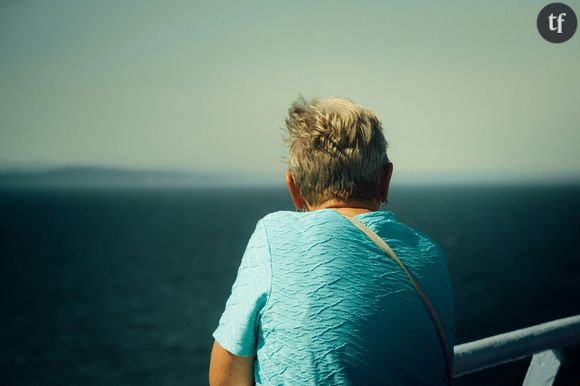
(386, 180)
(297, 199)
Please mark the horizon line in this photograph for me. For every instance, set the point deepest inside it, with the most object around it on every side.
(185, 176)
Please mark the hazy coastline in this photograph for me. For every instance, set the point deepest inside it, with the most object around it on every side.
(103, 177)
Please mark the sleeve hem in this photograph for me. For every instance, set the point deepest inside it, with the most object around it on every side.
(232, 347)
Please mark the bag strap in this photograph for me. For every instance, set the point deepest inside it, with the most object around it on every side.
(422, 294)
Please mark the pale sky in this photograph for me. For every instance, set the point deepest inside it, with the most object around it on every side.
(461, 87)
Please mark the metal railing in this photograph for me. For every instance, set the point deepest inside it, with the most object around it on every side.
(542, 342)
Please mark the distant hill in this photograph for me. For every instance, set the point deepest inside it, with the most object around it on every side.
(104, 177)
(96, 177)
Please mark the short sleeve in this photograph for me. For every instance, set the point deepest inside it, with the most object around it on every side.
(237, 329)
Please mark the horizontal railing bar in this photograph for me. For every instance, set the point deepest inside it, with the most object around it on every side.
(513, 345)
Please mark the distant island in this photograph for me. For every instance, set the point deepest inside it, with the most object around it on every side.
(100, 177)
(108, 177)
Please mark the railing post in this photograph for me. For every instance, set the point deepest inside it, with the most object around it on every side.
(544, 368)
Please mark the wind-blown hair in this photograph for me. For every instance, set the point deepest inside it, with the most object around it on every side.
(336, 150)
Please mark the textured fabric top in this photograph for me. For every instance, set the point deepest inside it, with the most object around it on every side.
(319, 303)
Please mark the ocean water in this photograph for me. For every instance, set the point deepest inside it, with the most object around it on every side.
(125, 287)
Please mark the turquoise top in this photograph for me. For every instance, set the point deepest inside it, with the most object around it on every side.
(319, 303)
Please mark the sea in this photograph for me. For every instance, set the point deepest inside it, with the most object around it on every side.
(125, 286)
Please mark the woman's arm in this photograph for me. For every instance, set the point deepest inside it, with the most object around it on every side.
(227, 369)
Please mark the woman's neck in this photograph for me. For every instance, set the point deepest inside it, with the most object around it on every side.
(349, 208)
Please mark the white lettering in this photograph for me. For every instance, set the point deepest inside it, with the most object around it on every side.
(559, 19)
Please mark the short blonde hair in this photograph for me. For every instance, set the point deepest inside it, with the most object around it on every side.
(336, 149)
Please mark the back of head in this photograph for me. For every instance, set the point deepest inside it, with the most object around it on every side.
(336, 150)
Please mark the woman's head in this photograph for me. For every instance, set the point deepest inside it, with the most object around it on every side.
(337, 150)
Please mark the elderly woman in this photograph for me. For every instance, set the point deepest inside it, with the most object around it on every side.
(338, 292)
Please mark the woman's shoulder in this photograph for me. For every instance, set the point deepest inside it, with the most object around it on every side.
(327, 217)
(387, 225)
(279, 216)
(294, 217)
(285, 224)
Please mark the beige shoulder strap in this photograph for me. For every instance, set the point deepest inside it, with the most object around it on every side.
(432, 312)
